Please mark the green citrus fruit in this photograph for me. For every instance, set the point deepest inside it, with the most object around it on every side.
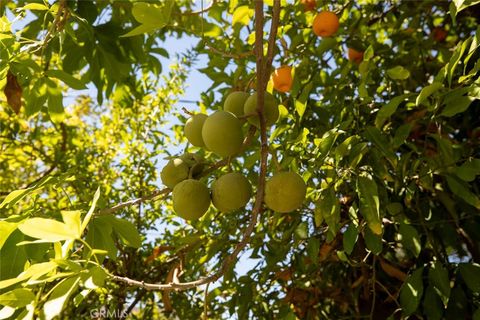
(175, 171)
(222, 133)
(235, 102)
(285, 192)
(270, 110)
(191, 199)
(193, 129)
(231, 192)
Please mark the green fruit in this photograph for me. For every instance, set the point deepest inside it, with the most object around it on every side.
(222, 133)
(231, 192)
(235, 102)
(285, 192)
(195, 163)
(270, 110)
(174, 172)
(191, 199)
(193, 129)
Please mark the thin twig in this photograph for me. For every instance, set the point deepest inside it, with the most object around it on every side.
(122, 205)
(227, 263)
(374, 279)
(272, 38)
(228, 54)
(201, 11)
(205, 303)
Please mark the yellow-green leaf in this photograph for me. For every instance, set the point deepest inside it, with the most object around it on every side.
(48, 230)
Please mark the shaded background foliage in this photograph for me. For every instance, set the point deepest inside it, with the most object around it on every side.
(393, 140)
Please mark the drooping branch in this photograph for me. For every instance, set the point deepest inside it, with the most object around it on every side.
(261, 85)
(164, 192)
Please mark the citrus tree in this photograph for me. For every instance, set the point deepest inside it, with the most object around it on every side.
(337, 150)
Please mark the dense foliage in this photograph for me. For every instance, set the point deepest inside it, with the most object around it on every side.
(388, 144)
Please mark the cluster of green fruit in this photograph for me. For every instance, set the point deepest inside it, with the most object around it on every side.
(222, 134)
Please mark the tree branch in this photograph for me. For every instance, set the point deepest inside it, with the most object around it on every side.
(258, 207)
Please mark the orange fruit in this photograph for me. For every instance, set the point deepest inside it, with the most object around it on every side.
(282, 79)
(439, 34)
(325, 24)
(355, 56)
(309, 5)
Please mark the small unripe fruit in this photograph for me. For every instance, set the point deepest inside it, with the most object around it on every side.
(174, 172)
(234, 102)
(194, 162)
(231, 192)
(285, 192)
(270, 110)
(191, 199)
(222, 133)
(193, 129)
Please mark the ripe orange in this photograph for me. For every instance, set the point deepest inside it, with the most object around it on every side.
(355, 56)
(282, 79)
(309, 5)
(439, 34)
(325, 24)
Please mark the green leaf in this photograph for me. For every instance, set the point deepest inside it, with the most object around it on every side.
(325, 45)
(476, 314)
(427, 92)
(368, 53)
(17, 298)
(72, 220)
(326, 143)
(374, 135)
(35, 6)
(438, 277)
(410, 238)
(301, 231)
(126, 232)
(350, 238)
(99, 236)
(457, 106)
(373, 241)
(34, 272)
(14, 196)
(59, 296)
(48, 230)
(242, 15)
(401, 134)
(95, 278)
(470, 273)
(6, 228)
(313, 248)
(89, 214)
(467, 171)
(432, 304)
(461, 190)
(328, 207)
(385, 112)
(66, 78)
(463, 4)
(151, 16)
(12, 257)
(301, 102)
(55, 102)
(411, 292)
(369, 203)
(458, 304)
(398, 73)
(455, 59)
